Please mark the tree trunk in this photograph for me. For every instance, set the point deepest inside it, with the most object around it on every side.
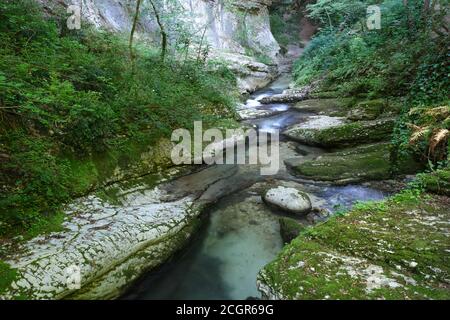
(162, 31)
(133, 30)
(408, 19)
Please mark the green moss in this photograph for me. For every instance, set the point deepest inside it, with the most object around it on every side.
(437, 181)
(369, 162)
(7, 276)
(367, 110)
(325, 95)
(289, 229)
(332, 107)
(85, 175)
(346, 134)
(357, 132)
(46, 225)
(400, 242)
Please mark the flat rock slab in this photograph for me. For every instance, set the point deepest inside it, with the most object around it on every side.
(397, 249)
(288, 96)
(363, 163)
(321, 122)
(288, 199)
(330, 107)
(332, 134)
(254, 113)
(367, 110)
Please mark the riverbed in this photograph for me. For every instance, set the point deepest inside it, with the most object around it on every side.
(241, 235)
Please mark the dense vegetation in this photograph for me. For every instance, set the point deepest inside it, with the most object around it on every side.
(404, 61)
(67, 96)
(284, 23)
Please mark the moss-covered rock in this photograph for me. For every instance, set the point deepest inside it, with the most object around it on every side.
(289, 229)
(332, 107)
(324, 95)
(368, 162)
(367, 110)
(437, 182)
(397, 249)
(346, 134)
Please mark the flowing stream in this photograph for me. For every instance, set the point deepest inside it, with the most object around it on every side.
(241, 234)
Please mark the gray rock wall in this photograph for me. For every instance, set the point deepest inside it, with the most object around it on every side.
(230, 27)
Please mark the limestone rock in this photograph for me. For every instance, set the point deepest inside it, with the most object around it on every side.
(317, 215)
(344, 134)
(367, 110)
(288, 96)
(288, 199)
(375, 249)
(329, 107)
(368, 162)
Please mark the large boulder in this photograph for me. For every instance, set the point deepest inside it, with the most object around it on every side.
(343, 134)
(363, 163)
(437, 181)
(290, 95)
(367, 110)
(251, 74)
(330, 107)
(288, 199)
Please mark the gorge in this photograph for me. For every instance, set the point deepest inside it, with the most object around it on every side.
(348, 215)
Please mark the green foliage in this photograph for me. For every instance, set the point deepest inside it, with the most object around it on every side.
(284, 24)
(34, 178)
(384, 61)
(7, 275)
(332, 13)
(73, 95)
(407, 57)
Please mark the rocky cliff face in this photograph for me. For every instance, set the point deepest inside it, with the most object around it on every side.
(236, 31)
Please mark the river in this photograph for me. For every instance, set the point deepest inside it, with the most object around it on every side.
(241, 235)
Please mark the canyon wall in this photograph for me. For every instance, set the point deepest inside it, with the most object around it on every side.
(237, 32)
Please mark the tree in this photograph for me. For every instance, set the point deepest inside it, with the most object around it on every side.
(333, 13)
(162, 30)
(133, 30)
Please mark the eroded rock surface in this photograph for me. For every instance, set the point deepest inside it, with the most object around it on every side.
(344, 134)
(367, 162)
(99, 236)
(398, 249)
(113, 237)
